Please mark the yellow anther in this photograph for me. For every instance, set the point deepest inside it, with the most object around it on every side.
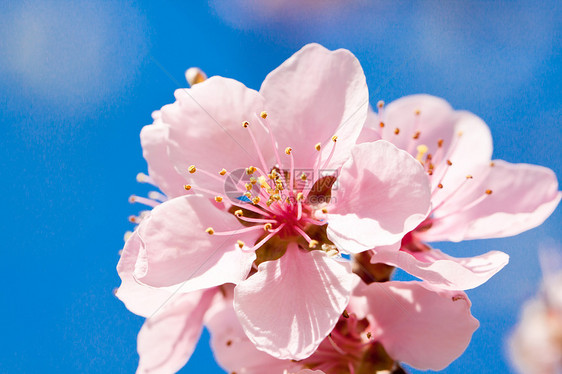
(449, 162)
(218, 199)
(303, 177)
(253, 180)
(288, 150)
(381, 125)
(222, 172)
(380, 104)
(300, 196)
(269, 202)
(417, 112)
(276, 197)
(318, 147)
(248, 186)
(334, 138)
(245, 124)
(238, 213)
(440, 185)
(279, 185)
(248, 194)
(142, 177)
(313, 244)
(488, 192)
(256, 200)
(250, 170)
(422, 150)
(324, 210)
(469, 176)
(345, 314)
(262, 181)
(241, 244)
(396, 131)
(268, 226)
(492, 164)
(187, 187)
(263, 114)
(369, 335)
(440, 143)
(210, 231)
(192, 169)
(416, 135)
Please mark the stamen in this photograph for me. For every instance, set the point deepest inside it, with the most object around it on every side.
(269, 236)
(192, 169)
(239, 213)
(467, 207)
(240, 243)
(246, 124)
(268, 226)
(446, 199)
(222, 172)
(143, 200)
(154, 195)
(396, 131)
(272, 138)
(143, 178)
(318, 147)
(313, 244)
(218, 199)
(334, 139)
(127, 235)
(210, 231)
(187, 187)
(303, 234)
(288, 150)
(237, 231)
(422, 150)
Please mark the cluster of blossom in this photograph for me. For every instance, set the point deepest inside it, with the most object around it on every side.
(536, 343)
(285, 211)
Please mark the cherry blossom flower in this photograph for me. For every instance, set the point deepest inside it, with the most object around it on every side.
(405, 321)
(536, 343)
(276, 188)
(472, 196)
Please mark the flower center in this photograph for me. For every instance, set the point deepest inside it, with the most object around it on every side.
(286, 203)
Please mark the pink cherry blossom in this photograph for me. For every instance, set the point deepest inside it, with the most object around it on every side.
(276, 188)
(472, 196)
(404, 321)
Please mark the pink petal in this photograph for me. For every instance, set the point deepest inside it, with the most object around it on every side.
(467, 153)
(290, 305)
(312, 96)
(154, 141)
(435, 121)
(137, 297)
(523, 196)
(205, 124)
(382, 194)
(167, 340)
(422, 328)
(231, 347)
(177, 250)
(445, 272)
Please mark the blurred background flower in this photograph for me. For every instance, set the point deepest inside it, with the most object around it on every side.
(78, 81)
(536, 342)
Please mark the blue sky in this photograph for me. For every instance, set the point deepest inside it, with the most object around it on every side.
(79, 80)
